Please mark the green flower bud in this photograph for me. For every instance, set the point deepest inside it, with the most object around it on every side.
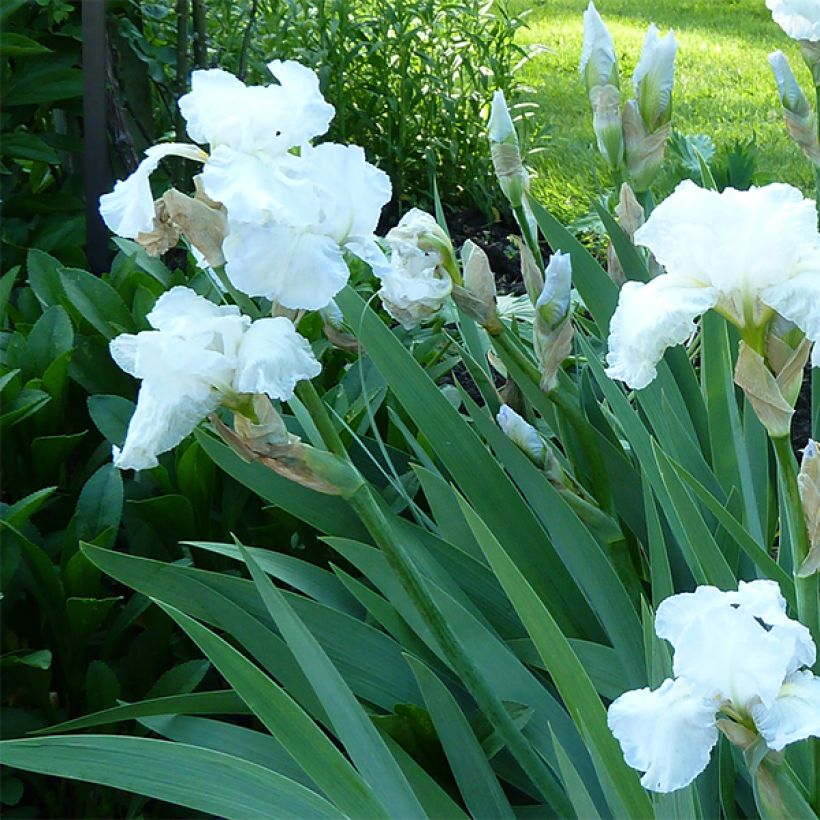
(654, 77)
(797, 111)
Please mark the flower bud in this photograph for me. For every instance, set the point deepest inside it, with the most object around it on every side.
(530, 272)
(643, 149)
(631, 216)
(808, 481)
(419, 230)
(654, 77)
(552, 305)
(264, 438)
(606, 123)
(478, 296)
(522, 434)
(599, 64)
(552, 330)
(797, 111)
(512, 176)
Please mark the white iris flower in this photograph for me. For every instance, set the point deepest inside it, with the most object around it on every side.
(199, 356)
(800, 19)
(735, 652)
(292, 209)
(417, 282)
(747, 254)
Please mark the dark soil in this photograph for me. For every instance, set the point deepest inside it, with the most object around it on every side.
(801, 422)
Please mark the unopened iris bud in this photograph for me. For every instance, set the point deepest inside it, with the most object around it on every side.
(654, 77)
(552, 305)
(797, 111)
(599, 68)
(599, 63)
(808, 480)
(530, 272)
(646, 118)
(801, 21)
(512, 176)
(552, 330)
(522, 434)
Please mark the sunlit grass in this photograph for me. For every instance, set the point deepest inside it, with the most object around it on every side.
(723, 87)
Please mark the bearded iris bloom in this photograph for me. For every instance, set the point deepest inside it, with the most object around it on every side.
(736, 653)
(292, 208)
(199, 356)
(750, 255)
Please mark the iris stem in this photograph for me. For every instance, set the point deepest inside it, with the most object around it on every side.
(366, 506)
(806, 589)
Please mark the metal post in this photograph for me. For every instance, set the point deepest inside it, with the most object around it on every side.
(96, 171)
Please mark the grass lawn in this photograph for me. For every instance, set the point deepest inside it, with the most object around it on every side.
(723, 86)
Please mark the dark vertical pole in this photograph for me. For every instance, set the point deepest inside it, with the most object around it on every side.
(200, 22)
(182, 63)
(95, 144)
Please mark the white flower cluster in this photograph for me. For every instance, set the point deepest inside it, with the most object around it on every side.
(293, 208)
(747, 254)
(735, 652)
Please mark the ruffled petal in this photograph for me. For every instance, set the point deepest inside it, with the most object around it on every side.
(273, 357)
(800, 19)
(797, 299)
(763, 600)
(649, 318)
(296, 268)
(668, 733)
(729, 653)
(795, 713)
(351, 190)
(257, 189)
(368, 250)
(167, 411)
(129, 209)
(739, 242)
(310, 113)
(222, 110)
(182, 311)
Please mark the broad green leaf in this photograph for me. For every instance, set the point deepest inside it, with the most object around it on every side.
(581, 553)
(97, 302)
(621, 785)
(99, 507)
(237, 741)
(190, 776)
(287, 722)
(13, 44)
(351, 725)
(476, 780)
(584, 806)
(223, 702)
(50, 337)
(318, 583)
(111, 414)
(369, 660)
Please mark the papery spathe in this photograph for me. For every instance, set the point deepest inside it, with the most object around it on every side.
(747, 254)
